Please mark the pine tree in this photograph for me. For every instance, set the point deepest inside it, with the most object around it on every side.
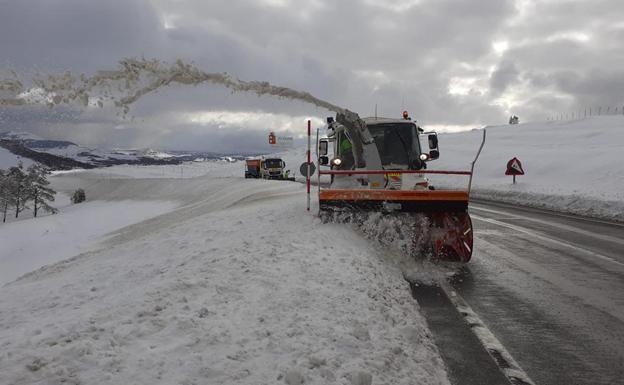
(38, 191)
(19, 188)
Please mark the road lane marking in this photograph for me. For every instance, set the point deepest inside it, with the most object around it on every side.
(578, 217)
(504, 360)
(547, 239)
(557, 225)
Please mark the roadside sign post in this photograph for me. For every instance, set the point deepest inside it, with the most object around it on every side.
(514, 167)
(308, 168)
(303, 169)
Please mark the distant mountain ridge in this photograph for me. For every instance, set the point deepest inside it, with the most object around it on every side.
(64, 154)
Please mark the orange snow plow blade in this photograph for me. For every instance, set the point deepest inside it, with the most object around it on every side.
(441, 197)
(449, 233)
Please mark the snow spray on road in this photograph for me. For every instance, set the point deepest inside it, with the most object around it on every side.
(402, 233)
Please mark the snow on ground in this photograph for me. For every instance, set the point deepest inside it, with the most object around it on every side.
(232, 287)
(216, 168)
(572, 166)
(31, 243)
(8, 159)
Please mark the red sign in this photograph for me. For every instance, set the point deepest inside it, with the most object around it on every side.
(272, 138)
(514, 167)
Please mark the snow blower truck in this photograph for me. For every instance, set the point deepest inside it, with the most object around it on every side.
(378, 166)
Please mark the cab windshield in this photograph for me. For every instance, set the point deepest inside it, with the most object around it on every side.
(397, 143)
(273, 163)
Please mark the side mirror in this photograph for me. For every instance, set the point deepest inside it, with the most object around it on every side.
(433, 141)
(323, 146)
(434, 154)
(283, 164)
(324, 160)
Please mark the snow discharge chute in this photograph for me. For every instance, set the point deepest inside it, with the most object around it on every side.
(378, 166)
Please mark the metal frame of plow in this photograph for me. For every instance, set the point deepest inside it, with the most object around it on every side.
(475, 161)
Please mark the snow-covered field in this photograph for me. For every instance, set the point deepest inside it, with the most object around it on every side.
(31, 243)
(236, 285)
(574, 166)
(8, 159)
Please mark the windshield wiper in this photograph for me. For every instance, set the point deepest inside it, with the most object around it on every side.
(405, 148)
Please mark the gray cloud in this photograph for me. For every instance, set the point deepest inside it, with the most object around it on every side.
(435, 58)
(506, 74)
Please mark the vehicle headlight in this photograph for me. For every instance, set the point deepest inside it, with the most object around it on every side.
(336, 162)
(424, 157)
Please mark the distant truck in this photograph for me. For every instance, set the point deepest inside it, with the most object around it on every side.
(273, 168)
(252, 168)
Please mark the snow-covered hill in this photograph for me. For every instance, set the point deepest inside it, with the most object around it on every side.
(8, 159)
(572, 166)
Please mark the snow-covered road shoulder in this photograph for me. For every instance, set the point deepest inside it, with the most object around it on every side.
(260, 293)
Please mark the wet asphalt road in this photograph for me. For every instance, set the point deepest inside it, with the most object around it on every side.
(551, 289)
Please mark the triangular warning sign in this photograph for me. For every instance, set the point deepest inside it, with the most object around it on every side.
(514, 167)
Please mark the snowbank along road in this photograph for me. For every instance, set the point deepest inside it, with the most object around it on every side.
(232, 286)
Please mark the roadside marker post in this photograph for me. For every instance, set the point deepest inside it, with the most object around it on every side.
(308, 168)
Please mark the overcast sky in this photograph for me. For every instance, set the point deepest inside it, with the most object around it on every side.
(452, 63)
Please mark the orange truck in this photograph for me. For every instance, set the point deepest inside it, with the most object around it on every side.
(252, 168)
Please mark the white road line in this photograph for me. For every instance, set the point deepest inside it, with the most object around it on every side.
(547, 239)
(557, 225)
(510, 367)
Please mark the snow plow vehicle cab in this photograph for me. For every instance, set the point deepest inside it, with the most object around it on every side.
(273, 168)
(378, 165)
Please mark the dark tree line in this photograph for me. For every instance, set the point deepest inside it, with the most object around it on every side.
(22, 189)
